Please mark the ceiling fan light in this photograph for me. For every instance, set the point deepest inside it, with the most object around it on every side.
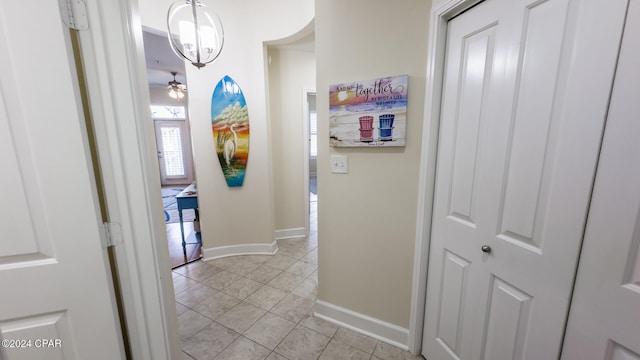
(176, 89)
(176, 93)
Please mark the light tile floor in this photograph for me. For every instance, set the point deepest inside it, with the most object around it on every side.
(261, 307)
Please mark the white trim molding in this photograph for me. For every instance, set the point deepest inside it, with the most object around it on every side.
(367, 325)
(112, 55)
(242, 249)
(293, 233)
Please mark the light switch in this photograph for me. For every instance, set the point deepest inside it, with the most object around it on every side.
(339, 164)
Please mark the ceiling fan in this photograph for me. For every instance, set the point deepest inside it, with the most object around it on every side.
(176, 88)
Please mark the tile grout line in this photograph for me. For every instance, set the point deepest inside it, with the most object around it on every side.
(243, 300)
(299, 257)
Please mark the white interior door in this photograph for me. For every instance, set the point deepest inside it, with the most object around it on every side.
(604, 321)
(519, 138)
(174, 155)
(56, 299)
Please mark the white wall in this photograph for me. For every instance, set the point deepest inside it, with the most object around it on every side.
(290, 72)
(367, 218)
(235, 216)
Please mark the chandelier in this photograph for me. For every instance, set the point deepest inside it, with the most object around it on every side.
(194, 34)
(176, 89)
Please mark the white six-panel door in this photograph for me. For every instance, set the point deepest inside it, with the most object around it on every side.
(517, 151)
(604, 321)
(55, 298)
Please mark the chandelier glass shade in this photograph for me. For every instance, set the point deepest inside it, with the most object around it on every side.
(195, 34)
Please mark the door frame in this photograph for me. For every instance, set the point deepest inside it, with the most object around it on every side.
(118, 95)
(306, 153)
(590, 33)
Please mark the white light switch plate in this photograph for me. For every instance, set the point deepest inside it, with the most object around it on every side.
(339, 164)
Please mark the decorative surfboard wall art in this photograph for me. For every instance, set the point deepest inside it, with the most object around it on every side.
(230, 124)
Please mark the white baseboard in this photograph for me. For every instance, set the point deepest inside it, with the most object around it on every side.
(243, 249)
(375, 328)
(293, 233)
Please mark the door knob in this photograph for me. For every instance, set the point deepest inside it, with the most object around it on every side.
(486, 248)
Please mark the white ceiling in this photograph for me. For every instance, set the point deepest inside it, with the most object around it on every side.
(306, 43)
(161, 60)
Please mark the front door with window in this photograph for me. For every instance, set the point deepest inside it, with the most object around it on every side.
(174, 152)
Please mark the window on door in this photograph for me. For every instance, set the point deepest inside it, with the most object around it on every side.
(171, 137)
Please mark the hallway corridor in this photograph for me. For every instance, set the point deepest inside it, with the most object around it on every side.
(261, 307)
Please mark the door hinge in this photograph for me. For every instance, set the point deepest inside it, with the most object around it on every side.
(111, 234)
(74, 14)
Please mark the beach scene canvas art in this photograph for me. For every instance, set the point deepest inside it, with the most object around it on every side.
(230, 125)
(370, 113)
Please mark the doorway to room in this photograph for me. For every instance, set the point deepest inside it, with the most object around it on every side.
(312, 121)
(173, 140)
(291, 78)
(179, 192)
